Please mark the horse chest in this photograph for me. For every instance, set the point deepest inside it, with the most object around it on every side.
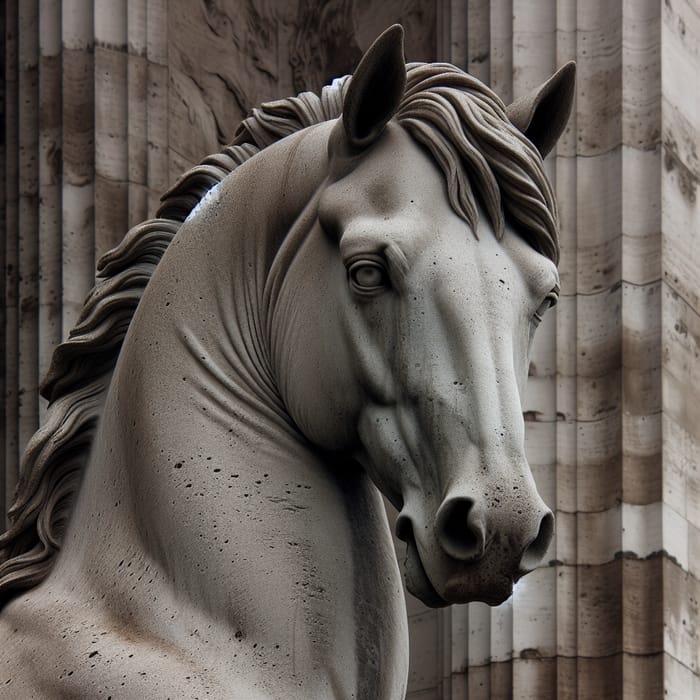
(74, 650)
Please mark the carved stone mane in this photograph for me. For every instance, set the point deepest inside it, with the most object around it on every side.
(460, 121)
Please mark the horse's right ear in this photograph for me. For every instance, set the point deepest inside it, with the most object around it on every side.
(542, 114)
(375, 90)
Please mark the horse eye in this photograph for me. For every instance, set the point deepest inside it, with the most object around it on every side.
(367, 275)
(549, 301)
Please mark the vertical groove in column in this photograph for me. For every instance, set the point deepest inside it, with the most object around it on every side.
(501, 647)
(28, 219)
(451, 31)
(566, 401)
(680, 334)
(10, 258)
(501, 51)
(641, 249)
(534, 637)
(599, 346)
(157, 101)
(78, 189)
(642, 620)
(49, 183)
(479, 39)
(137, 74)
(534, 43)
(479, 651)
(459, 650)
(111, 157)
(442, 30)
(445, 655)
(3, 238)
(459, 34)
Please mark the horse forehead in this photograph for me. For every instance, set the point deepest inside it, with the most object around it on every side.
(397, 174)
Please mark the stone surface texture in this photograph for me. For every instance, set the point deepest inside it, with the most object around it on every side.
(613, 424)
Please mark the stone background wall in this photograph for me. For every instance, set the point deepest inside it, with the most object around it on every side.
(106, 102)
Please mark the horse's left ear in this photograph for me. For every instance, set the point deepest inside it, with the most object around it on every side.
(376, 89)
(542, 114)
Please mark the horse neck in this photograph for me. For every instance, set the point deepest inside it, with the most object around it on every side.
(200, 484)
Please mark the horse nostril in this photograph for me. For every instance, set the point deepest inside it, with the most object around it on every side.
(460, 529)
(404, 528)
(534, 552)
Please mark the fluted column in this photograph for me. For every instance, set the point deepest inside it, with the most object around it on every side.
(566, 432)
(3, 230)
(111, 124)
(642, 524)
(78, 177)
(157, 100)
(10, 259)
(28, 218)
(137, 100)
(680, 344)
(50, 166)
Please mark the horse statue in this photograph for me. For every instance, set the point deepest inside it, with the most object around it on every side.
(338, 305)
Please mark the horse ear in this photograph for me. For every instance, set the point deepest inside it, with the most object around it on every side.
(542, 114)
(376, 89)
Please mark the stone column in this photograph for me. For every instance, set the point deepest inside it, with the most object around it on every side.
(50, 138)
(10, 255)
(680, 345)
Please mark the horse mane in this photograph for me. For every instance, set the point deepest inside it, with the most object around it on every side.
(463, 124)
(460, 121)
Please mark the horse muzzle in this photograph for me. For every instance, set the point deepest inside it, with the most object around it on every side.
(472, 553)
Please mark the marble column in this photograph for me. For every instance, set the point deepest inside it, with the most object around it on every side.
(680, 344)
